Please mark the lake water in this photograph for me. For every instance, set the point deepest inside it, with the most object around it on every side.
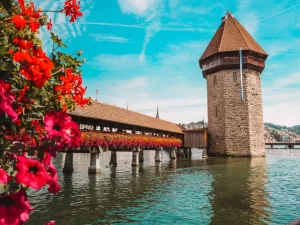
(186, 191)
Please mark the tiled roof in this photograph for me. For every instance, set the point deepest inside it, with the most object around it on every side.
(99, 110)
(231, 36)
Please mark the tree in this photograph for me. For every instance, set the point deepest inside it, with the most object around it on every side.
(36, 90)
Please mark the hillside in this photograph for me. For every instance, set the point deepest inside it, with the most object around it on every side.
(294, 129)
(273, 132)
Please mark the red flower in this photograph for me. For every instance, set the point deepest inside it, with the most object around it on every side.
(34, 24)
(71, 87)
(14, 208)
(36, 126)
(71, 8)
(49, 24)
(31, 173)
(60, 125)
(4, 177)
(6, 99)
(53, 185)
(22, 5)
(56, 124)
(72, 137)
(37, 66)
(23, 44)
(19, 21)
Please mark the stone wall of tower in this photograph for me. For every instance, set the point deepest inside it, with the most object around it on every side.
(237, 128)
(255, 110)
(216, 114)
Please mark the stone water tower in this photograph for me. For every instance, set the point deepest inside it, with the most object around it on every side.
(235, 116)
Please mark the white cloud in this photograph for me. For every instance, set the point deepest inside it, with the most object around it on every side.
(281, 100)
(151, 30)
(283, 113)
(138, 7)
(150, 11)
(172, 78)
(285, 81)
(250, 22)
(109, 38)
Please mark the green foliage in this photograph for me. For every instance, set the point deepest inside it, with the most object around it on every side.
(295, 129)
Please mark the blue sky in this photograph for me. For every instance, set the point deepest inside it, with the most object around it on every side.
(146, 51)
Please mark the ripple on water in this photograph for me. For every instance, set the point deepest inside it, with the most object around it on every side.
(212, 191)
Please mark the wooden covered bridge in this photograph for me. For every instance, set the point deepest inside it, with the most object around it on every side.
(113, 128)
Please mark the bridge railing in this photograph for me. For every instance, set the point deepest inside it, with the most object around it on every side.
(283, 145)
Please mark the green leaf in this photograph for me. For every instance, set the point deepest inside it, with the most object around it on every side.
(57, 40)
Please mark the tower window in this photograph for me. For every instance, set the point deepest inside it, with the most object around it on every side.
(234, 77)
(216, 111)
(215, 80)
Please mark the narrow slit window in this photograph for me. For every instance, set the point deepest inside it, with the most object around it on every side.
(215, 80)
(216, 111)
(234, 77)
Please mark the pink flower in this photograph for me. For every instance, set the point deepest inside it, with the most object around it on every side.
(4, 177)
(14, 208)
(6, 99)
(72, 136)
(31, 173)
(47, 159)
(60, 125)
(56, 123)
(54, 186)
(52, 222)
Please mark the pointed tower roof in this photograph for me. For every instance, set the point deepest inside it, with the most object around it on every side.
(230, 37)
(157, 113)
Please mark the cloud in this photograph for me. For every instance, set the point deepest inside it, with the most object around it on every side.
(61, 25)
(109, 38)
(172, 78)
(150, 11)
(181, 28)
(151, 30)
(250, 22)
(138, 7)
(286, 81)
(281, 100)
(280, 12)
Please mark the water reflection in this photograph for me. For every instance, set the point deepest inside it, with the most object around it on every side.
(182, 191)
(238, 191)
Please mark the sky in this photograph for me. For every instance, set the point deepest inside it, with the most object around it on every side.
(146, 52)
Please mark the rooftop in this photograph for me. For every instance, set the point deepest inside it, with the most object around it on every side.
(102, 111)
(231, 36)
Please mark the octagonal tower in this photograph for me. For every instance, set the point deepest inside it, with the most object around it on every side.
(235, 116)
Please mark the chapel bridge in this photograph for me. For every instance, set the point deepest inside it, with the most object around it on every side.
(111, 128)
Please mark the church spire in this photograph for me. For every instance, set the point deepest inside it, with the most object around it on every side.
(157, 113)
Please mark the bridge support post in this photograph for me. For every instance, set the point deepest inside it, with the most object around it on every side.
(204, 154)
(135, 157)
(141, 156)
(173, 153)
(158, 155)
(68, 166)
(190, 152)
(94, 163)
(113, 158)
(186, 152)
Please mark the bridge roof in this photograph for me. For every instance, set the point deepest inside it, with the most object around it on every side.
(231, 36)
(102, 111)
